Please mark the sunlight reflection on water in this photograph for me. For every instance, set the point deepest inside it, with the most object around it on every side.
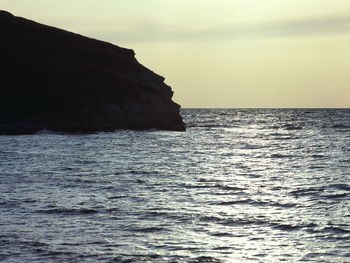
(238, 186)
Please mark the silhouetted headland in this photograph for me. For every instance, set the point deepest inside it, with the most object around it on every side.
(57, 80)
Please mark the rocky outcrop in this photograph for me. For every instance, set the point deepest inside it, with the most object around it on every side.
(57, 80)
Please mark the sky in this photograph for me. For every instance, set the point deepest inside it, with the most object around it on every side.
(222, 53)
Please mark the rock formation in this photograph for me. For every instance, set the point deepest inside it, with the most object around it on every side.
(61, 81)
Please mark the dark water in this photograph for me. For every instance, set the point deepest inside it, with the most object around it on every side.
(238, 186)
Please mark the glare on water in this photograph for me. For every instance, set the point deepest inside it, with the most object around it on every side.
(237, 186)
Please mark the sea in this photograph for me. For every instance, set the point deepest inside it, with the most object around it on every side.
(240, 185)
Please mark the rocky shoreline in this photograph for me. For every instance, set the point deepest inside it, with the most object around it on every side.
(61, 81)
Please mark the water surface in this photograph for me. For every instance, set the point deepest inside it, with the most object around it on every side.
(238, 186)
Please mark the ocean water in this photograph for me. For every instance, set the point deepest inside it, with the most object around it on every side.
(240, 185)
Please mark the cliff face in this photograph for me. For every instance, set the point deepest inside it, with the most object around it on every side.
(58, 80)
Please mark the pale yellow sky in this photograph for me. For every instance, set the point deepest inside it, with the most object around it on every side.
(222, 53)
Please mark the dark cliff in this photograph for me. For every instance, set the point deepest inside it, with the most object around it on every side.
(61, 81)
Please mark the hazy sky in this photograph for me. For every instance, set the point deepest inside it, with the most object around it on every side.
(222, 53)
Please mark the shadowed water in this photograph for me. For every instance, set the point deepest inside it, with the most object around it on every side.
(238, 186)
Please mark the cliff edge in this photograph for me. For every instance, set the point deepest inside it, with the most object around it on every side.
(57, 80)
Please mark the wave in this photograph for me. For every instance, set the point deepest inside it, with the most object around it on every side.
(117, 197)
(152, 214)
(229, 188)
(54, 253)
(336, 230)
(340, 126)
(147, 229)
(141, 172)
(341, 195)
(279, 155)
(278, 225)
(252, 146)
(222, 234)
(332, 191)
(244, 201)
(290, 127)
(331, 232)
(214, 186)
(307, 191)
(318, 156)
(256, 203)
(71, 211)
(345, 187)
(205, 259)
(282, 136)
(292, 227)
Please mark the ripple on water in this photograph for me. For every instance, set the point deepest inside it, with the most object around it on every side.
(264, 185)
(69, 211)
